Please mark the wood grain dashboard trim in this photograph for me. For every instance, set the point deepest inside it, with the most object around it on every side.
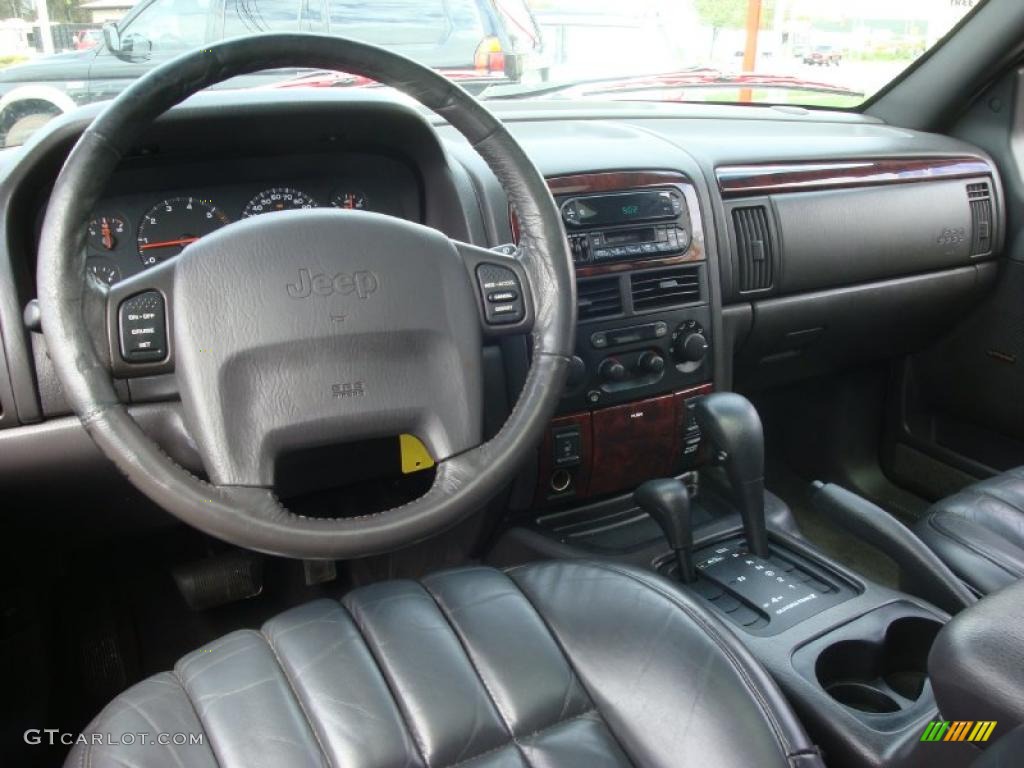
(620, 446)
(745, 180)
(616, 181)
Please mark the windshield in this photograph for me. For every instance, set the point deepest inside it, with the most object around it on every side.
(56, 55)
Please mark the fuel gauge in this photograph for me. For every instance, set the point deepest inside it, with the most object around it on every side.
(353, 200)
(106, 232)
(103, 271)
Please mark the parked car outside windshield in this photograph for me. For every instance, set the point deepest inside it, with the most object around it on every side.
(818, 53)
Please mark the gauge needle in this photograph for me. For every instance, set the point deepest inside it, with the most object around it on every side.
(168, 243)
(108, 238)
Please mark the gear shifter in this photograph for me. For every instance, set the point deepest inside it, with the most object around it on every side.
(731, 424)
(668, 502)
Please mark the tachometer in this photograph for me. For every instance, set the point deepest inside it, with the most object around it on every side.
(278, 199)
(170, 225)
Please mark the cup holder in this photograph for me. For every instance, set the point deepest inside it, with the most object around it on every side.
(880, 676)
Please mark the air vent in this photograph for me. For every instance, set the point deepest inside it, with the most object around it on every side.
(977, 190)
(665, 288)
(598, 298)
(980, 199)
(755, 252)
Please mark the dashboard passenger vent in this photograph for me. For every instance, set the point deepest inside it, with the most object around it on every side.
(665, 288)
(980, 199)
(598, 298)
(755, 252)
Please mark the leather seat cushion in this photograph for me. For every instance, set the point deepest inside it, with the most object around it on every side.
(979, 532)
(555, 664)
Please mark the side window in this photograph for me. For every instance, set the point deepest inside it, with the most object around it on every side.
(390, 23)
(248, 17)
(166, 26)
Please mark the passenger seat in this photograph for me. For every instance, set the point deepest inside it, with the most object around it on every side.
(979, 532)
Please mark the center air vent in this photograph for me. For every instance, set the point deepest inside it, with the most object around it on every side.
(598, 298)
(980, 199)
(755, 252)
(665, 288)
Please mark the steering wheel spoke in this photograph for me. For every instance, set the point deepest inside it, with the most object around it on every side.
(139, 321)
(502, 287)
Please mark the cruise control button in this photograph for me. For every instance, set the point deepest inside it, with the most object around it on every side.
(504, 296)
(142, 321)
(495, 296)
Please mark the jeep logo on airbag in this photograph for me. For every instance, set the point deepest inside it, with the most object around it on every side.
(362, 283)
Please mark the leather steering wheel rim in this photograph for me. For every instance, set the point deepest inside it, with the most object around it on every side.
(252, 517)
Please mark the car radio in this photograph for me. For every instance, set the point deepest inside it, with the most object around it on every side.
(651, 223)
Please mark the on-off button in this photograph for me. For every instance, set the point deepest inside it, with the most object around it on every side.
(142, 320)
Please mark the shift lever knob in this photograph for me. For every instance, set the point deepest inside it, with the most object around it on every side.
(731, 424)
(668, 503)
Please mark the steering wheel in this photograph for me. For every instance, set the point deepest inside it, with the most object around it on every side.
(309, 327)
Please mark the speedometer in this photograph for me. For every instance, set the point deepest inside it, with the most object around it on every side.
(278, 199)
(170, 225)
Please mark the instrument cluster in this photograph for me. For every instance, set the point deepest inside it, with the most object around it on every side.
(133, 231)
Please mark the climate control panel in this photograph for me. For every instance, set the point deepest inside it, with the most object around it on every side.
(621, 361)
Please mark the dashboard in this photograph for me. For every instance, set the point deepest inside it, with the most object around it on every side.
(156, 207)
(711, 252)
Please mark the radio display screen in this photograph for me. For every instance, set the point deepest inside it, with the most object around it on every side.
(621, 209)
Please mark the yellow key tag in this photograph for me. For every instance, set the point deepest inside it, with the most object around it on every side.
(414, 454)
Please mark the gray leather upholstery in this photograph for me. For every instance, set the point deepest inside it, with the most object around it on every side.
(979, 532)
(554, 664)
(976, 664)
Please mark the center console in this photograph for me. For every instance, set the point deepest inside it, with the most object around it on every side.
(644, 338)
(850, 654)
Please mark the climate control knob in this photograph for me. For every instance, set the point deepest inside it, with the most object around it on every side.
(611, 370)
(650, 362)
(690, 346)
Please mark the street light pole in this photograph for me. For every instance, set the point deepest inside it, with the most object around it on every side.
(750, 49)
(43, 20)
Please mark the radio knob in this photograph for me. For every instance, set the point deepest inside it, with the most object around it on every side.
(650, 362)
(690, 347)
(611, 370)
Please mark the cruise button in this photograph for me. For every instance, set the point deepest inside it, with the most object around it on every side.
(142, 320)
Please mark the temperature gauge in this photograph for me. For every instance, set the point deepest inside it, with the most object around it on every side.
(353, 200)
(106, 232)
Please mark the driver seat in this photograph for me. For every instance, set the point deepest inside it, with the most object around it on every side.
(553, 664)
